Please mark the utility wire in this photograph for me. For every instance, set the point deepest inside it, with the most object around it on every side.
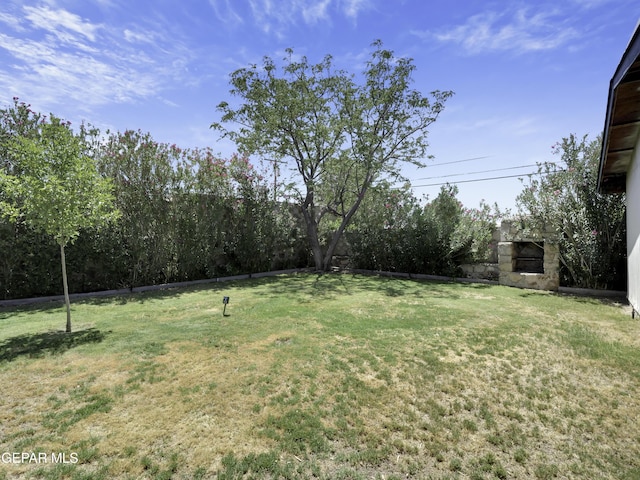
(475, 173)
(484, 179)
(459, 161)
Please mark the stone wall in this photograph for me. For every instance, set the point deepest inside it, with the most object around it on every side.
(483, 271)
(488, 269)
(511, 233)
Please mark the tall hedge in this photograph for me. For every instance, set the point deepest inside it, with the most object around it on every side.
(395, 232)
(185, 215)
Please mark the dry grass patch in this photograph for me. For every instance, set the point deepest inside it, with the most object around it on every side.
(197, 404)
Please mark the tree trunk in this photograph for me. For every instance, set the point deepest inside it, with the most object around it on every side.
(312, 233)
(309, 215)
(335, 238)
(323, 261)
(66, 288)
(340, 231)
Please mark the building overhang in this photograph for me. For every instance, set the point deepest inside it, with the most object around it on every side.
(622, 122)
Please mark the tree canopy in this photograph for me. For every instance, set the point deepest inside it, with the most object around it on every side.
(342, 135)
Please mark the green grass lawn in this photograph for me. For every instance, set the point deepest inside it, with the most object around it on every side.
(334, 377)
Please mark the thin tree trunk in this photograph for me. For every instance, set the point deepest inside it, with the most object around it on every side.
(308, 213)
(340, 231)
(316, 248)
(328, 257)
(66, 287)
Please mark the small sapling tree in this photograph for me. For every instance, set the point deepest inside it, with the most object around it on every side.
(54, 186)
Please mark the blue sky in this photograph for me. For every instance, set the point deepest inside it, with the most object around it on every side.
(525, 73)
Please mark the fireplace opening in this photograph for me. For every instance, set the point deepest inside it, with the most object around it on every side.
(528, 257)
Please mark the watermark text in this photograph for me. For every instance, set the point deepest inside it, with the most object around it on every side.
(38, 457)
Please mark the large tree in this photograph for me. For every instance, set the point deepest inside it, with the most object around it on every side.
(52, 184)
(344, 134)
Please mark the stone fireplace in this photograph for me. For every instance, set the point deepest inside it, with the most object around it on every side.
(528, 259)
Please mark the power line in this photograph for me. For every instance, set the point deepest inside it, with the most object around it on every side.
(459, 161)
(484, 179)
(475, 173)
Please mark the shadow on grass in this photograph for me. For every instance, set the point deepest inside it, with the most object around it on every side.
(52, 307)
(330, 285)
(295, 286)
(39, 344)
(586, 298)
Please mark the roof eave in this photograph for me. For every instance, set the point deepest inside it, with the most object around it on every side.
(613, 182)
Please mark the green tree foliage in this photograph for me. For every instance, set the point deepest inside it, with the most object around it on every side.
(393, 232)
(19, 270)
(143, 176)
(187, 214)
(590, 226)
(51, 184)
(344, 137)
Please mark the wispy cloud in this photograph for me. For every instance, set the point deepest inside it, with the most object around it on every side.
(138, 36)
(277, 16)
(62, 24)
(52, 56)
(508, 126)
(519, 31)
(268, 17)
(352, 8)
(225, 12)
(53, 76)
(316, 11)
